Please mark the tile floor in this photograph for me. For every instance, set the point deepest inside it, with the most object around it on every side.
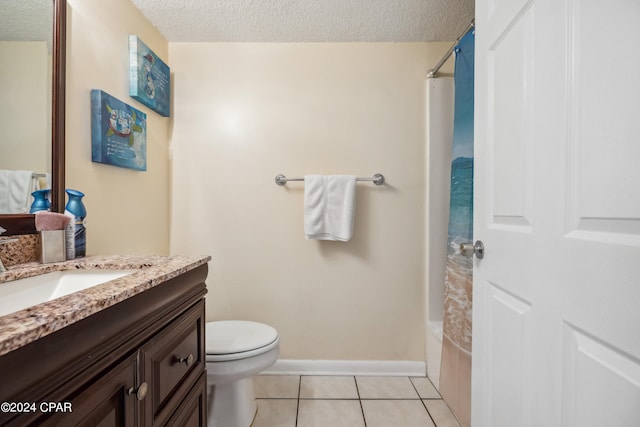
(347, 401)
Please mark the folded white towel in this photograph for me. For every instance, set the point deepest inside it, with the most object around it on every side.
(329, 207)
(15, 191)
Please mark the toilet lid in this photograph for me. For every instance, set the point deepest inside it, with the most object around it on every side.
(237, 336)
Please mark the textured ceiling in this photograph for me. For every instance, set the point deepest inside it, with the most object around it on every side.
(29, 20)
(308, 20)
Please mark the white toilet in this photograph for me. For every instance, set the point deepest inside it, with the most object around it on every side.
(236, 350)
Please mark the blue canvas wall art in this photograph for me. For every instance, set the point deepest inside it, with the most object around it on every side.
(149, 77)
(118, 132)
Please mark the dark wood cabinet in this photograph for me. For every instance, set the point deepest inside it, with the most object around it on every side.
(172, 361)
(193, 411)
(107, 402)
(140, 362)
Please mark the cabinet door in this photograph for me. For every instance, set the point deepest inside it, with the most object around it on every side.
(106, 402)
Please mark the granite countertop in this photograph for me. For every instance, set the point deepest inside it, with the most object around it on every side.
(22, 327)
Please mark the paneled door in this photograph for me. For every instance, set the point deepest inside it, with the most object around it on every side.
(556, 322)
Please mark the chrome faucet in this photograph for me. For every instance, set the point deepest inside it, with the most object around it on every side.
(2, 242)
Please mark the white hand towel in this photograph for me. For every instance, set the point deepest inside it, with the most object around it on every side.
(329, 207)
(15, 191)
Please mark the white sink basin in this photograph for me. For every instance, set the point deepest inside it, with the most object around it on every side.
(20, 294)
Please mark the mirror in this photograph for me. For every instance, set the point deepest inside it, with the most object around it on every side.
(32, 36)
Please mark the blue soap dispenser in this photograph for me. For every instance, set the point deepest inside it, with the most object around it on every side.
(40, 201)
(76, 232)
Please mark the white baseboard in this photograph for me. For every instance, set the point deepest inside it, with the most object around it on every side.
(402, 368)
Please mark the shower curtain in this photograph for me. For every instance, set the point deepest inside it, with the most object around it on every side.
(455, 373)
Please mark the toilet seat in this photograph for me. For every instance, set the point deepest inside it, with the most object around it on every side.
(238, 339)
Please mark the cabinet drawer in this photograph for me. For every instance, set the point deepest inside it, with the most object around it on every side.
(193, 411)
(172, 362)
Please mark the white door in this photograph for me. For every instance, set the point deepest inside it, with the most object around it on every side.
(556, 322)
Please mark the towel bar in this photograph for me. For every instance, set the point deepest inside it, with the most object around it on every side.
(377, 179)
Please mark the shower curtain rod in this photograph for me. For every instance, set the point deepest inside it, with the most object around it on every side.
(432, 72)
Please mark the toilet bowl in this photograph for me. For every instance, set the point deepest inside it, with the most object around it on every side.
(235, 351)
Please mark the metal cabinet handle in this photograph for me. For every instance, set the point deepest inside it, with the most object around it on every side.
(186, 360)
(140, 392)
(468, 249)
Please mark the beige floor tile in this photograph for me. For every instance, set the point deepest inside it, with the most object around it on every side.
(426, 390)
(328, 387)
(405, 413)
(386, 388)
(276, 413)
(441, 413)
(276, 386)
(333, 413)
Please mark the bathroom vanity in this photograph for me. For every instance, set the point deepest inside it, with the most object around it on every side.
(130, 351)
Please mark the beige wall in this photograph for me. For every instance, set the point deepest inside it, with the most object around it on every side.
(25, 110)
(247, 112)
(244, 113)
(127, 211)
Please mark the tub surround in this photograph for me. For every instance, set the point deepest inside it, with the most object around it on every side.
(25, 326)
